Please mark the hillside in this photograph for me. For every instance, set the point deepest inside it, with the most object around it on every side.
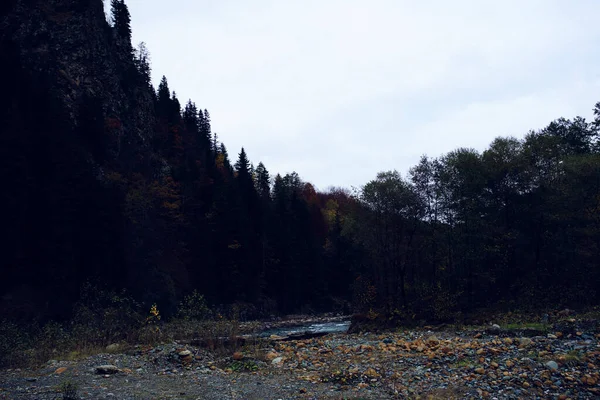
(116, 196)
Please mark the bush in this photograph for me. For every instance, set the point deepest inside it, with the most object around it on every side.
(194, 307)
(14, 344)
(103, 317)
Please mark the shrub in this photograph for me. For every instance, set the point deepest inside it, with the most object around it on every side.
(194, 307)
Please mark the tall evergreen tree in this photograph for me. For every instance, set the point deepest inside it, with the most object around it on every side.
(263, 181)
(122, 22)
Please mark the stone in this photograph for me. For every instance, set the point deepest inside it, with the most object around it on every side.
(480, 370)
(552, 336)
(495, 327)
(184, 353)
(271, 356)
(524, 342)
(371, 373)
(277, 360)
(111, 348)
(432, 340)
(60, 370)
(552, 365)
(238, 356)
(106, 369)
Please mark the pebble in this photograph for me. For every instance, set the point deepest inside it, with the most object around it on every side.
(552, 365)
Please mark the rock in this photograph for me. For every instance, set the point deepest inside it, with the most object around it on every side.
(60, 370)
(277, 360)
(480, 370)
(111, 348)
(106, 369)
(551, 336)
(495, 327)
(238, 356)
(509, 364)
(184, 353)
(271, 356)
(565, 313)
(508, 341)
(371, 373)
(524, 342)
(552, 365)
(433, 340)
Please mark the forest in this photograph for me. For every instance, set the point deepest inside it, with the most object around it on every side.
(114, 184)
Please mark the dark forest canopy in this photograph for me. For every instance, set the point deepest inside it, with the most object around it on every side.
(107, 180)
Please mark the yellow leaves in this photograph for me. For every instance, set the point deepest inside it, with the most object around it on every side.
(234, 246)
(153, 315)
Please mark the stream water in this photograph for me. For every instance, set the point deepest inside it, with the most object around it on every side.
(327, 327)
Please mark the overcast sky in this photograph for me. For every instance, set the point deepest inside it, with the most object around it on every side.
(339, 90)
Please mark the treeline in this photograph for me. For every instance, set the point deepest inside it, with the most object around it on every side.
(517, 224)
(112, 182)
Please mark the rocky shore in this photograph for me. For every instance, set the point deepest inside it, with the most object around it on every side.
(495, 363)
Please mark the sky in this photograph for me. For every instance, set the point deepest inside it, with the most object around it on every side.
(339, 90)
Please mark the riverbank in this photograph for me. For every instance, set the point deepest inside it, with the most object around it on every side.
(478, 362)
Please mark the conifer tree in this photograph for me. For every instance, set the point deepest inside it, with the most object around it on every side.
(122, 22)
(263, 183)
(163, 100)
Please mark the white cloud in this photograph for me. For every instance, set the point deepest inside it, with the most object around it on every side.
(340, 89)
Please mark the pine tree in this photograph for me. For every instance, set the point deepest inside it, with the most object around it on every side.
(242, 166)
(263, 181)
(141, 60)
(163, 101)
(174, 109)
(122, 22)
(205, 130)
(190, 117)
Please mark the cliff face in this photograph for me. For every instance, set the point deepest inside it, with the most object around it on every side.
(76, 113)
(68, 45)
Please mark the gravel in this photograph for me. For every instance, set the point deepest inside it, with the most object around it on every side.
(338, 366)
